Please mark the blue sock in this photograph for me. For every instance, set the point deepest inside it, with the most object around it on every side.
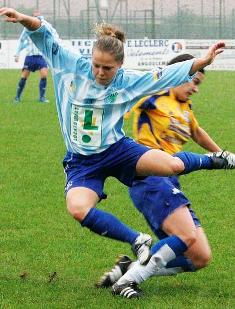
(174, 242)
(42, 87)
(183, 262)
(20, 87)
(105, 224)
(194, 161)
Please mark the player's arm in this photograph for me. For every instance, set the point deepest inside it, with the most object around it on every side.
(141, 84)
(46, 39)
(202, 138)
(13, 16)
(172, 75)
(213, 51)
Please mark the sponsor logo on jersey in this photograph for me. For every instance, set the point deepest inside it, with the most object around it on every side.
(112, 97)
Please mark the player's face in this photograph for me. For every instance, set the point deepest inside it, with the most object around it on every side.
(186, 90)
(104, 67)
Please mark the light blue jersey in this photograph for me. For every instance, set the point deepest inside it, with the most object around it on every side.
(91, 115)
(26, 43)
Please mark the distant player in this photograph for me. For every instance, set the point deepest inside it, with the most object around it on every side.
(33, 62)
(165, 121)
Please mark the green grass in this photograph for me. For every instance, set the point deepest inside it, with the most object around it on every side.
(39, 238)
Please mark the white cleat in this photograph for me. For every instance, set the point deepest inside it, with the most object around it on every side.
(222, 160)
(141, 248)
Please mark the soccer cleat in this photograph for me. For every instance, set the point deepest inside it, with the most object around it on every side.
(141, 248)
(109, 278)
(127, 290)
(222, 160)
(17, 100)
(43, 100)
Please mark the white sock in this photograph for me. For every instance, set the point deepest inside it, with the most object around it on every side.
(139, 273)
(169, 271)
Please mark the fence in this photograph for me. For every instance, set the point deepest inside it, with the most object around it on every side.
(169, 19)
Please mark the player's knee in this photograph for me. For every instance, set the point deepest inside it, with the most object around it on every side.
(203, 260)
(77, 209)
(177, 166)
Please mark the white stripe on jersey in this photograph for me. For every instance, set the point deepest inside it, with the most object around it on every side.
(26, 43)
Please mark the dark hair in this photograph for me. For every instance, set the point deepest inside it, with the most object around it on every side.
(183, 57)
(110, 40)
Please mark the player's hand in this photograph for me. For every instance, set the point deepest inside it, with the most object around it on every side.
(213, 51)
(16, 58)
(12, 15)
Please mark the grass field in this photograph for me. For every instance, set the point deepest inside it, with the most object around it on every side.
(48, 261)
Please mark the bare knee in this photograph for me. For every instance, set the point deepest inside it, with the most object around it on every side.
(77, 210)
(177, 166)
(79, 203)
(203, 260)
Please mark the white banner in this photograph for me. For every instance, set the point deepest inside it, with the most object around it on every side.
(139, 53)
(7, 52)
(225, 61)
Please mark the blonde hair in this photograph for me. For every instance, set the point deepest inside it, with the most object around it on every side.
(110, 39)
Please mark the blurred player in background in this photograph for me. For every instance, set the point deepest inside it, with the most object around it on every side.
(165, 121)
(33, 62)
(91, 119)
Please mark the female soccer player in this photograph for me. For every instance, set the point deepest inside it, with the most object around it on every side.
(91, 118)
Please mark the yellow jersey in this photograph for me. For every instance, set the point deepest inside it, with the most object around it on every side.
(162, 122)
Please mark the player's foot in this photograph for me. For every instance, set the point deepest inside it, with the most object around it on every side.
(222, 160)
(17, 100)
(141, 248)
(43, 100)
(128, 290)
(120, 268)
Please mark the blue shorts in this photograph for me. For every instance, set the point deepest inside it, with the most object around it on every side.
(34, 63)
(156, 198)
(118, 161)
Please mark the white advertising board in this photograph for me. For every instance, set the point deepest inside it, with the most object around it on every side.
(139, 54)
(225, 61)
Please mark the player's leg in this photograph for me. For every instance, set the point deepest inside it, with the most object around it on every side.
(84, 189)
(24, 76)
(179, 223)
(157, 162)
(81, 204)
(200, 252)
(43, 84)
(196, 257)
(156, 198)
(167, 249)
(163, 252)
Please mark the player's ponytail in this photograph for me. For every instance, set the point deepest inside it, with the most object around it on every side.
(110, 40)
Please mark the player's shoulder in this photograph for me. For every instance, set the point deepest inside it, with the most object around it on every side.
(150, 102)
